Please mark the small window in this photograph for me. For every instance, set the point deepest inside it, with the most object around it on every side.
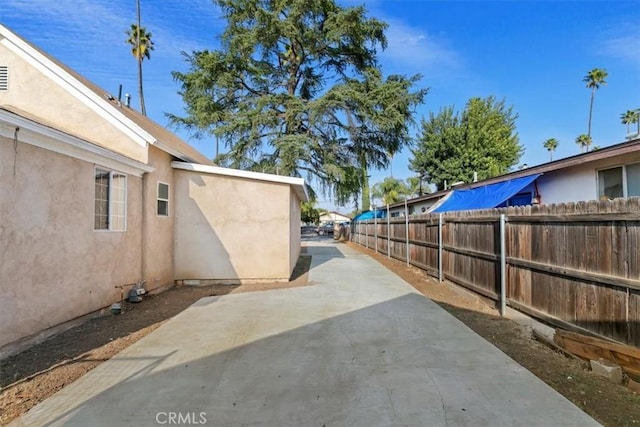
(110, 210)
(633, 180)
(163, 199)
(610, 183)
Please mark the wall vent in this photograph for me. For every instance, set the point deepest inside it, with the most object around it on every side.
(4, 77)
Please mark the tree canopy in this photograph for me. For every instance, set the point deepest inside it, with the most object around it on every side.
(309, 214)
(453, 146)
(295, 88)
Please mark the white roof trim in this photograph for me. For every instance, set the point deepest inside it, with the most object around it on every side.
(296, 183)
(75, 87)
(45, 137)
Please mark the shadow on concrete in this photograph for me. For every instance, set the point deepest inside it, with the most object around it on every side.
(399, 362)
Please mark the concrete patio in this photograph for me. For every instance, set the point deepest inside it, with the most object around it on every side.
(358, 347)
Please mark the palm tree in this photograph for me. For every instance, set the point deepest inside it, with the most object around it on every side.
(551, 144)
(583, 141)
(141, 47)
(390, 191)
(630, 117)
(594, 79)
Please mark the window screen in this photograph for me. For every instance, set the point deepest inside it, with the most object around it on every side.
(163, 199)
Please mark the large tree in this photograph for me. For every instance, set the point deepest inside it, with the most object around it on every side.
(481, 139)
(551, 145)
(594, 79)
(285, 91)
(373, 114)
(141, 47)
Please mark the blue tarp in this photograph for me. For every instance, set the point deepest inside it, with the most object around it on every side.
(369, 215)
(486, 197)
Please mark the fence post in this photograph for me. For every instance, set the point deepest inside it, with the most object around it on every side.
(440, 248)
(406, 227)
(503, 266)
(388, 233)
(366, 234)
(375, 227)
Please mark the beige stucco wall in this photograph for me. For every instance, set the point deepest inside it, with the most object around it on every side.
(158, 230)
(231, 229)
(35, 93)
(53, 265)
(294, 230)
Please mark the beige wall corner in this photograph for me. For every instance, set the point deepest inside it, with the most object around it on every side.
(232, 228)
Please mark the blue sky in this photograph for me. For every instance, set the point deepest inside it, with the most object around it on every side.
(533, 54)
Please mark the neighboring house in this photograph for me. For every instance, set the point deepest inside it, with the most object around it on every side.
(93, 196)
(333, 218)
(607, 173)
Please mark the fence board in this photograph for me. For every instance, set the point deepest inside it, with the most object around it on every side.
(575, 264)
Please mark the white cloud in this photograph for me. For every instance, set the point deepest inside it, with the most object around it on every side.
(625, 47)
(416, 50)
(621, 42)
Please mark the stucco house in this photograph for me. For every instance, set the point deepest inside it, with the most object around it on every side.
(93, 195)
(609, 173)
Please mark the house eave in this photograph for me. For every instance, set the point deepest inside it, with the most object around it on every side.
(42, 136)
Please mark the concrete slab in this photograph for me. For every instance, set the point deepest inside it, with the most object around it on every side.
(358, 348)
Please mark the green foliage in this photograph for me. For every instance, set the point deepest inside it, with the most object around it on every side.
(630, 117)
(390, 191)
(551, 145)
(309, 214)
(373, 114)
(295, 89)
(481, 139)
(595, 78)
(140, 50)
(584, 142)
(417, 186)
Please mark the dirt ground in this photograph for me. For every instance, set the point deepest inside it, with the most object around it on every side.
(35, 374)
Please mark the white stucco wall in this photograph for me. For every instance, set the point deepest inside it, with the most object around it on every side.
(568, 185)
(231, 229)
(53, 266)
(579, 183)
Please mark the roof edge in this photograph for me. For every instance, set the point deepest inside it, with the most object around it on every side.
(297, 183)
(75, 87)
(42, 136)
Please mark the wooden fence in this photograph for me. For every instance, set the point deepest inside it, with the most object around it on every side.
(574, 265)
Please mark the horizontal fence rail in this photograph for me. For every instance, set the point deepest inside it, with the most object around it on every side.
(574, 265)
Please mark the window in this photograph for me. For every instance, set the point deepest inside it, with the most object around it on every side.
(163, 199)
(623, 181)
(110, 201)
